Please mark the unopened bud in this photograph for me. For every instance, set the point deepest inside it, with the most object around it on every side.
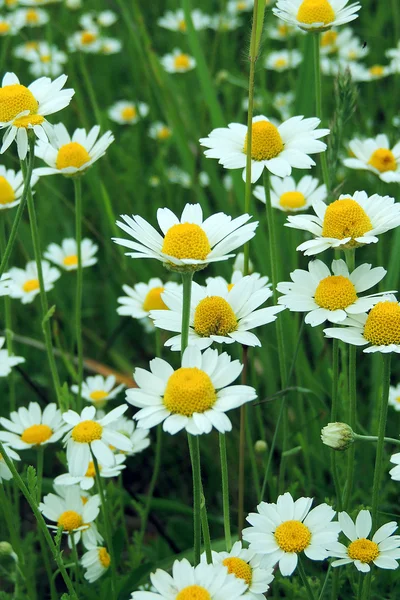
(338, 436)
(6, 550)
(260, 447)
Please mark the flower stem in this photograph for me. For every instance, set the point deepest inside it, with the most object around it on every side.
(187, 279)
(39, 471)
(225, 491)
(7, 314)
(334, 417)
(305, 580)
(205, 528)
(79, 286)
(374, 438)
(318, 102)
(194, 450)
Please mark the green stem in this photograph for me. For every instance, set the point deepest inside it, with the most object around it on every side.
(79, 286)
(334, 417)
(75, 557)
(318, 102)
(361, 578)
(39, 471)
(7, 313)
(225, 491)
(90, 90)
(374, 438)
(187, 279)
(242, 448)
(205, 528)
(194, 449)
(305, 580)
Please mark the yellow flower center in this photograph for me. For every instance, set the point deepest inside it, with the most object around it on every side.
(36, 434)
(129, 113)
(86, 432)
(292, 536)
(290, 200)
(31, 285)
(363, 550)
(31, 45)
(98, 395)
(6, 191)
(398, 399)
(181, 61)
(214, 316)
(283, 30)
(164, 133)
(70, 520)
(45, 58)
(280, 62)
(329, 38)
(376, 71)
(240, 568)
(383, 160)
(32, 16)
(186, 240)
(4, 27)
(182, 25)
(104, 558)
(352, 55)
(28, 120)
(241, 6)
(316, 11)
(345, 218)
(71, 261)
(91, 472)
(153, 300)
(382, 326)
(266, 142)
(189, 390)
(193, 592)
(72, 155)
(14, 99)
(88, 37)
(335, 292)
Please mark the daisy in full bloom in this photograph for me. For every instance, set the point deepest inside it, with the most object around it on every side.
(86, 40)
(88, 434)
(125, 112)
(380, 328)
(144, 297)
(12, 187)
(395, 471)
(46, 60)
(360, 72)
(87, 481)
(326, 296)
(204, 582)
(194, 397)
(316, 15)
(178, 62)
(31, 17)
(29, 427)
(375, 155)
(110, 46)
(188, 243)
(8, 25)
(224, 22)
(24, 283)
(72, 155)
(139, 438)
(348, 222)
(159, 131)
(5, 473)
(278, 149)
(239, 6)
(66, 255)
(289, 196)
(96, 562)
(394, 397)
(283, 60)
(217, 313)
(175, 21)
(7, 361)
(280, 532)
(99, 390)
(383, 550)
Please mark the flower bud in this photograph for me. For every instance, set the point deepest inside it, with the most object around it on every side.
(260, 447)
(338, 436)
(6, 551)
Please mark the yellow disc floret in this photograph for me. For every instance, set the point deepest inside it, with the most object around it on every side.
(383, 160)
(329, 39)
(4, 27)
(182, 26)
(266, 141)
(6, 191)
(153, 300)
(292, 536)
(14, 99)
(376, 71)
(36, 434)
(86, 432)
(72, 155)
(129, 113)
(28, 121)
(316, 11)
(193, 592)
(98, 395)
(189, 390)
(88, 37)
(181, 61)
(345, 218)
(104, 557)
(71, 261)
(335, 292)
(70, 520)
(292, 200)
(280, 63)
(164, 133)
(31, 285)
(382, 326)
(363, 550)
(186, 240)
(91, 471)
(32, 17)
(214, 316)
(239, 567)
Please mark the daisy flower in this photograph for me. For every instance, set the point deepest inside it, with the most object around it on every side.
(9, 4)
(24, 283)
(283, 60)
(195, 397)
(29, 427)
(73, 4)
(239, 6)
(224, 22)
(327, 296)
(24, 108)
(88, 434)
(175, 21)
(7, 361)
(87, 40)
(110, 46)
(96, 562)
(280, 532)
(395, 471)
(217, 313)
(72, 155)
(338, 436)
(144, 297)
(12, 187)
(211, 582)
(283, 103)
(348, 222)
(361, 73)
(189, 243)
(31, 17)
(139, 438)
(178, 62)
(281, 32)
(383, 550)
(87, 481)
(66, 255)
(159, 131)
(289, 196)
(394, 397)
(277, 149)
(394, 54)
(125, 112)
(333, 39)
(105, 18)
(380, 328)
(99, 390)
(375, 155)
(46, 60)
(8, 25)
(316, 15)
(5, 473)
(26, 50)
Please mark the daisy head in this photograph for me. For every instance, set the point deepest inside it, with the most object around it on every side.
(175, 21)
(316, 15)
(280, 532)
(375, 155)
(278, 149)
(24, 283)
(31, 17)
(283, 60)
(7, 361)
(348, 222)
(125, 112)
(144, 297)
(66, 255)
(96, 561)
(195, 397)
(178, 62)
(394, 397)
(30, 427)
(87, 40)
(189, 243)
(160, 131)
(87, 481)
(5, 473)
(99, 390)
(383, 550)
(292, 197)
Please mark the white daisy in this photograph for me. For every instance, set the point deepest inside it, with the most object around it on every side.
(160, 131)
(224, 22)
(12, 187)
(175, 20)
(375, 155)
(46, 60)
(278, 149)
(327, 296)
(281, 31)
(110, 46)
(178, 62)
(88, 434)
(283, 103)
(394, 397)
(96, 562)
(239, 6)
(348, 222)
(144, 297)
(283, 60)
(66, 255)
(24, 108)
(316, 15)
(24, 283)
(29, 427)
(139, 438)
(289, 196)
(9, 4)
(5, 473)
(86, 40)
(26, 51)
(194, 397)
(31, 17)
(383, 550)
(189, 243)
(125, 112)
(105, 18)
(87, 481)
(217, 313)
(394, 54)
(7, 361)
(333, 40)
(280, 532)
(99, 390)
(395, 471)
(360, 72)
(8, 25)
(351, 51)
(73, 4)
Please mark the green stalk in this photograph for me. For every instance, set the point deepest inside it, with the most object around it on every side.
(7, 313)
(90, 90)
(75, 557)
(205, 528)
(194, 450)
(305, 580)
(79, 286)
(39, 471)
(334, 468)
(187, 279)
(318, 102)
(375, 438)
(225, 491)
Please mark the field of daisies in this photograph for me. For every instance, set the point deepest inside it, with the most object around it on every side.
(199, 320)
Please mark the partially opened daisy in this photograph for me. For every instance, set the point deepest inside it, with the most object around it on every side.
(217, 313)
(375, 155)
(280, 532)
(289, 196)
(125, 112)
(7, 361)
(195, 397)
(144, 297)
(12, 187)
(348, 222)
(96, 561)
(24, 283)
(327, 296)
(278, 149)
(189, 243)
(5, 473)
(72, 155)
(29, 427)
(99, 390)
(66, 255)
(25, 108)
(394, 397)
(87, 481)
(178, 62)
(316, 15)
(383, 550)
(395, 471)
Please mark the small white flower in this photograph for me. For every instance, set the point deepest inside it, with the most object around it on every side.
(9, 25)
(239, 6)
(289, 196)
(178, 62)
(12, 187)
(283, 60)
(87, 481)
(394, 54)
(31, 17)
(105, 18)
(86, 40)
(394, 397)
(160, 131)
(175, 21)
(66, 255)
(5, 473)
(110, 46)
(29, 427)
(96, 562)
(316, 15)
(375, 155)
(7, 361)
(360, 72)
(224, 22)
(283, 103)
(24, 283)
(125, 112)
(281, 31)
(99, 390)
(45, 59)
(144, 297)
